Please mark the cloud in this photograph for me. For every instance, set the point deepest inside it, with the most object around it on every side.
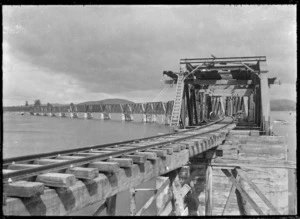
(114, 50)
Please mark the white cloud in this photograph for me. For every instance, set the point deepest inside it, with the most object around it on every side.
(99, 52)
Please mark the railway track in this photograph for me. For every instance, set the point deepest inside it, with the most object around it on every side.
(124, 154)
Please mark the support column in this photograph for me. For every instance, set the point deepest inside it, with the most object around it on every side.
(144, 119)
(101, 115)
(73, 115)
(208, 191)
(243, 205)
(201, 106)
(195, 106)
(123, 117)
(183, 109)
(107, 116)
(62, 114)
(265, 101)
(154, 118)
(111, 205)
(188, 103)
(246, 108)
(88, 115)
(132, 202)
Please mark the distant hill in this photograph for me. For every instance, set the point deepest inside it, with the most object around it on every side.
(282, 105)
(108, 101)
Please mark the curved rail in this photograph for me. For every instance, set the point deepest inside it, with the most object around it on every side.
(25, 173)
(55, 153)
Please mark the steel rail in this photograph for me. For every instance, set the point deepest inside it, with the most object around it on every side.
(55, 153)
(25, 173)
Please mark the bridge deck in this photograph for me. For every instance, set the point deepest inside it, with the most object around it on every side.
(68, 188)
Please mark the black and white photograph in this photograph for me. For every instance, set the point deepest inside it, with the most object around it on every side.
(149, 110)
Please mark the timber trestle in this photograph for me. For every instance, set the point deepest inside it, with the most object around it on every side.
(71, 180)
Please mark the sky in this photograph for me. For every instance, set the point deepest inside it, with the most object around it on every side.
(64, 54)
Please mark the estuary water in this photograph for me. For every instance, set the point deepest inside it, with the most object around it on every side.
(26, 135)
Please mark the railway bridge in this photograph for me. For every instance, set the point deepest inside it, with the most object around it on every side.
(221, 159)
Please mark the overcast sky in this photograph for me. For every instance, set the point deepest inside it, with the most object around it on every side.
(63, 54)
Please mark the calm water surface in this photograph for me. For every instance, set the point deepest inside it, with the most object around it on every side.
(27, 134)
(24, 135)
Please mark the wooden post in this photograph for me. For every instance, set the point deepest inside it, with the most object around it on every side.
(183, 108)
(195, 106)
(100, 209)
(111, 205)
(231, 105)
(204, 107)
(230, 196)
(208, 105)
(132, 202)
(246, 108)
(242, 203)
(162, 196)
(265, 109)
(186, 88)
(208, 191)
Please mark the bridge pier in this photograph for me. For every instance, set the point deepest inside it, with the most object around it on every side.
(73, 115)
(144, 119)
(107, 116)
(127, 117)
(101, 115)
(154, 118)
(88, 115)
(62, 114)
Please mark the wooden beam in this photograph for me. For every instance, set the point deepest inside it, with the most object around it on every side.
(256, 189)
(23, 189)
(161, 188)
(163, 201)
(83, 172)
(243, 193)
(195, 106)
(123, 162)
(132, 202)
(242, 202)
(111, 205)
(159, 153)
(93, 191)
(230, 196)
(105, 166)
(219, 82)
(265, 101)
(56, 179)
(188, 104)
(230, 92)
(149, 155)
(139, 159)
(251, 163)
(100, 209)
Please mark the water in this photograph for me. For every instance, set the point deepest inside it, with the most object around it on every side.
(25, 135)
